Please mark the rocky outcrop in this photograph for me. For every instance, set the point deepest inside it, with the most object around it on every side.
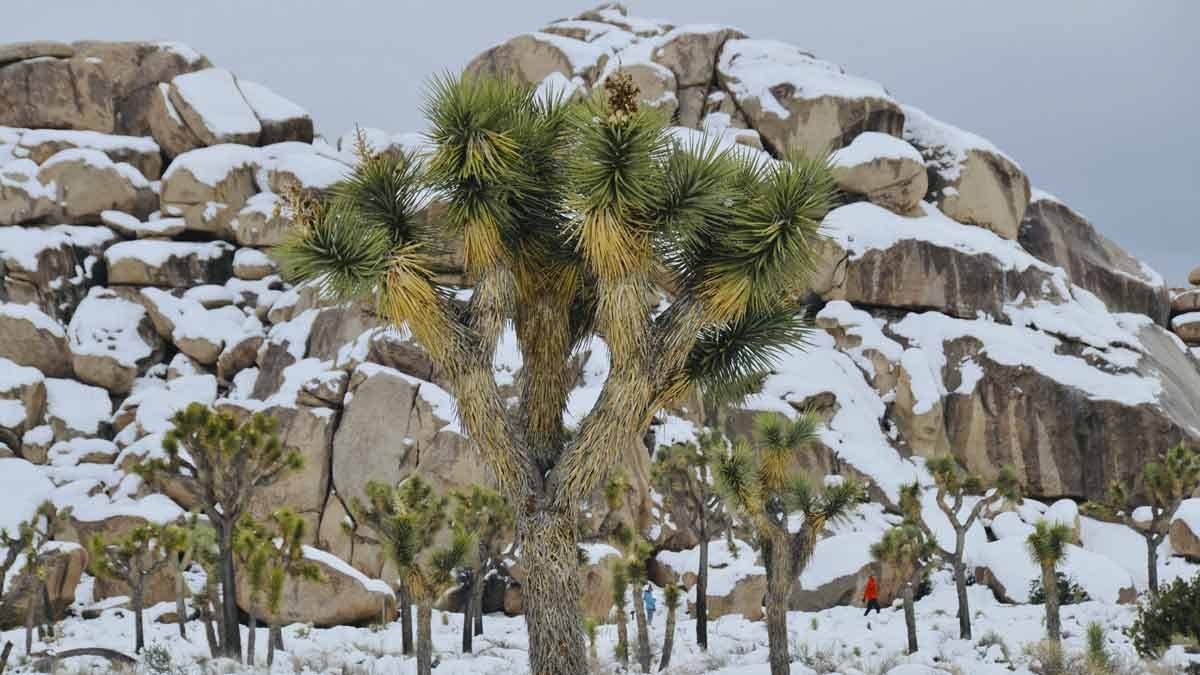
(342, 596)
(65, 563)
(884, 170)
(970, 179)
(1059, 236)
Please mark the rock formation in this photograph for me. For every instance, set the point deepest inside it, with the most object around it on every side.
(960, 311)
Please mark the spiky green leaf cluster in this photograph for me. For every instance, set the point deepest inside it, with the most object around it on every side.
(730, 361)
(1047, 543)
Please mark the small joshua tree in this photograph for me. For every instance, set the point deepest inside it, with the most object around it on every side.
(484, 514)
(407, 520)
(252, 548)
(181, 543)
(287, 562)
(620, 587)
(954, 486)
(1048, 547)
(36, 534)
(131, 559)
(1167, 481)
(671, 600)
(682, 472)
(761, 484)
(636, 552)
(222, 464)
(907, 549)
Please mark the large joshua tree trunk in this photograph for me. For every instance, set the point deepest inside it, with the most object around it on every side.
(552, 590)
(231, 638)
(206, 617)
(180, 592)
(1050, 585)
(477, 616)
(404, 601)
(470, 611)
(643, 631)
(425, 638)
(910, 617)
(668, 639)
(780, 572)
(960, 584)
(139, 635)
(622, 637)
(1152, 564)
(702, 591)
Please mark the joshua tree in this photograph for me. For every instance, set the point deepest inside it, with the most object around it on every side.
(671, 600)
(37, 533)
(907, 549)
(620, 586)
(1048, 546)
(1167, 481)
(131, 559)
(252, 547)
(180, 545)
(221, 465)
(762, 485)
(407, 520)
(485, 515)
(287, 561)
(636, 552)
(683, 473)
(207, 554)
(568, 214)
(954, 485)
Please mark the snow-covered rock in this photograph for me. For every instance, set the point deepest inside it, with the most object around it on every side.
(112, 341)
(87, 182)
(171, 264)
(29, 337)
(213, 107)
(970, 179)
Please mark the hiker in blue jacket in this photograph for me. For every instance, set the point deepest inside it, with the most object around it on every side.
(650, 602)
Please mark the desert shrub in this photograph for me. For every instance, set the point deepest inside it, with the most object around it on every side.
(1069, 592)
(1161, 620)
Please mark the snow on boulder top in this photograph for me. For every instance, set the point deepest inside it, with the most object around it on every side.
(837, 556)
(105, 325)
(1009, 561)
(20, 247)
(1185, 320)
(946, 145)
(98, 160)
(1062, 512)
(1189, 513)
(182, 50)
(872, 145)
(267, 105)
(755, 68)
(1008, 525)
(598, 551)
(338, 565)
(24, 487)
(861, 227)
(33, 315)
(311, 170)
(212, 164)
(156, 253)
(156, 406)
(14, 375)
(213, 93)
(725, 569)
(90, 139)
(1018, 346)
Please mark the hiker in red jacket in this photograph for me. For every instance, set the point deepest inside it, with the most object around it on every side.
(871, 596)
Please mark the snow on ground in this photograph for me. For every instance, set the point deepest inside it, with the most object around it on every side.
(841, 637)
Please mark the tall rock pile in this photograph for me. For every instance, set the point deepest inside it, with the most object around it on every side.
(961, 310)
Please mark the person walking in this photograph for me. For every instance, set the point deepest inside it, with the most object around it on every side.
(650, 602)
(871, 596)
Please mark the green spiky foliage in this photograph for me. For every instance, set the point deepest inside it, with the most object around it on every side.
(221, 464)
(682, 473)
(568, 213)
(1167, 618)
(130, 559)
(954, 487)
(252, 546)
(206, 552)
(32, 545)
(760, 482)
(1048, 547)
(1165, 482)
(408, 521)
(907, 550)
(484, 514)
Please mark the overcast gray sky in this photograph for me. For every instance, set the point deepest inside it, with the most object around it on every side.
(1097, 100)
